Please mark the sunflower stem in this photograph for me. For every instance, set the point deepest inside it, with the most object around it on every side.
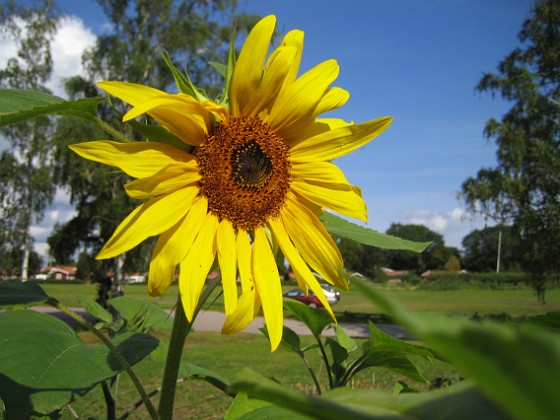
(179, 332)
(181, 328)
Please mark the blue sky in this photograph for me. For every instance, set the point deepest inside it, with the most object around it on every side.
(418, 61)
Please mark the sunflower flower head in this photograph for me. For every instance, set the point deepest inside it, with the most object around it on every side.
(257, 179)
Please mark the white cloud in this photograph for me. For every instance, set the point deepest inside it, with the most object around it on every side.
(454, 225)
(71, 39)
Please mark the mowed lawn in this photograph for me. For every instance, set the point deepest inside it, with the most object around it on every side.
(515, 301)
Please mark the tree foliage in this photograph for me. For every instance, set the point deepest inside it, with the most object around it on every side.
(434, 257)
(26, 189)
(481, 249)
(524, 188)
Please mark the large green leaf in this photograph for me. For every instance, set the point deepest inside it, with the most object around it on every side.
(458, 402)
(290, 340)
(343, 228)
(197, 372)
(21, 294)
(45, 365)
(517, 366)
(95, 309)
(17, 105)
(316, 320)
(141, 315)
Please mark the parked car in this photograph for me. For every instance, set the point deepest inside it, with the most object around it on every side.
(311, 299)
(332, 295)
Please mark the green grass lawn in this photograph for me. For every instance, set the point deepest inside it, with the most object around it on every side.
(226, 356)
(515, 301)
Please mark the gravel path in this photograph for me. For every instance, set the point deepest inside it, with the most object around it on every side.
(213, 321)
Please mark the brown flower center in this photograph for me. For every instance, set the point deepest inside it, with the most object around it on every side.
(245, 172)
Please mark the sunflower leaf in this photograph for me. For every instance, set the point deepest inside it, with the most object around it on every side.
(22, 294)
(461, 401)
(17, 105)
(316, 320)
(45, 365)
(340, 227)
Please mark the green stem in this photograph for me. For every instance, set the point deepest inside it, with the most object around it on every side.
(116, 353)
(312, 373)
(326, 360)
(110, 130)
(179, 333)
(181, 328)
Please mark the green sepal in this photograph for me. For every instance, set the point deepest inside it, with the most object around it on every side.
(183, 81)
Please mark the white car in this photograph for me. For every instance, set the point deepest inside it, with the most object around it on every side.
(332, 295)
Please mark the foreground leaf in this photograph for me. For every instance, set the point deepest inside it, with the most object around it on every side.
(95, 309)
(516, 366)
(17, 105)
(197, 372)
(140, 315)
(457, 402)
(23, 294)
(316, 320)
(343, 228)
(45, 365)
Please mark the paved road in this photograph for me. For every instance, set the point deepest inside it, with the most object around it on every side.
(213, 321)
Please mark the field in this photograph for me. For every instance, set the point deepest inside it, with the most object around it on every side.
(513, 301)
(228, 355)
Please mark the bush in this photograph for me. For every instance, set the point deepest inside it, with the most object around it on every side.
(454, 281)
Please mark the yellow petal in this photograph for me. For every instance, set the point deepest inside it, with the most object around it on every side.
(267, 282)
(294, 39)
(333, 98)
(139, 159)
(149, 219)
(168, 179)
(294, 108)
(195, 267)
(275, 73)
(131, 93)
(320, 125)
(297, 262)
(315, 246)
(338, 197)
(172, 247)
(321, 173)
(248, 69)
(227, 256)
(181, 114)
(242, 316)
(244, 254)
(338, 142)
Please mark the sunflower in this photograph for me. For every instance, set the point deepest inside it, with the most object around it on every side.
(257, 179)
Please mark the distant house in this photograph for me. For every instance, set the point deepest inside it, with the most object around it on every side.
(58, 272)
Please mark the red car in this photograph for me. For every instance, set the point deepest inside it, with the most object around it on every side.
(310, 300)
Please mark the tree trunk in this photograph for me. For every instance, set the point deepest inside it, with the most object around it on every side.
(117, 286)
(26, 252)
